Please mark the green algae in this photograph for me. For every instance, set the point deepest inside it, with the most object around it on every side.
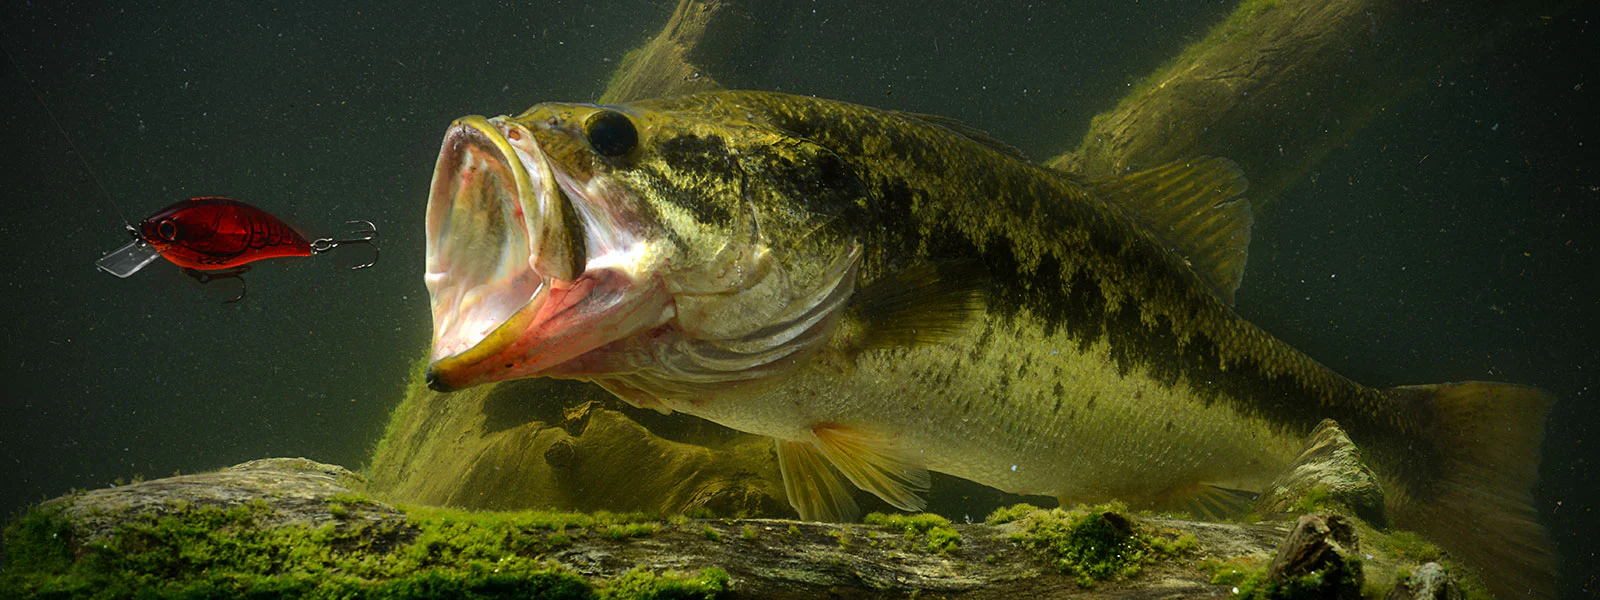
(940, 537)
(215, 552)
(1319, 499)
(1245, 576)
(1248, 580)
(711, 533)
(1387, 557)
(631, 530)
(1007, 514)
(1409, 546)
(843, 535)
(1094, 543)
(1392, 555)
(640, 583)
(36, 542)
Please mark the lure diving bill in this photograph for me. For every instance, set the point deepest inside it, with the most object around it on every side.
(213, 237)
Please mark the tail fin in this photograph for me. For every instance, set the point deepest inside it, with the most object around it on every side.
(1479, 506)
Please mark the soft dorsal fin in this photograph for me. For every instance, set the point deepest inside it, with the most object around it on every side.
(1195, 207)
(972, 133)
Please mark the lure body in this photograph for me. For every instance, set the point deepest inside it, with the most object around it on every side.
(214, 233)
(212, 237)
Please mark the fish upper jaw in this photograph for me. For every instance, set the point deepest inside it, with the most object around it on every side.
(527, 267)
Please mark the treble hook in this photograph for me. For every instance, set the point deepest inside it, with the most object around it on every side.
(235, 273)
(363, 236)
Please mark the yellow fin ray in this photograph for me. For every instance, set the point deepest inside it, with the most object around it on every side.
(1207, 500)
(1193, 206)
(814, 488)
(873, 464)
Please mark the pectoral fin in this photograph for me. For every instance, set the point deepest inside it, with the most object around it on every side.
(921, 304)
(631, 394)
(815, 489)
(874, 464)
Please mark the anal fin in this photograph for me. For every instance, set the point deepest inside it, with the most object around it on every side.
(1207, 501)
(874, 464)
(815, 489)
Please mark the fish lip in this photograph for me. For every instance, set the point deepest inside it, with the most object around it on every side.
(499, 311)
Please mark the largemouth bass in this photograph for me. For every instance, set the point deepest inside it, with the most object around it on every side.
(887, 294)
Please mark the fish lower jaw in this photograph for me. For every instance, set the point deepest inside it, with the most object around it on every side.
(560, 325)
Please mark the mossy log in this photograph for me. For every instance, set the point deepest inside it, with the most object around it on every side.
(1280, 83)
(706, 45)
(1275, 87)
(296, 528)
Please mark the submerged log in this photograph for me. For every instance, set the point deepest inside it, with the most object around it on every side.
(1281, 83)
(1275, 87)
(706, 45)
(293, 527)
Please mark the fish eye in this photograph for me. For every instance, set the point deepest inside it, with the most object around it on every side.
(611, 133)
(167, 230)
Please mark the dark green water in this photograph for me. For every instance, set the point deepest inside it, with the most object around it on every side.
(1475, 263)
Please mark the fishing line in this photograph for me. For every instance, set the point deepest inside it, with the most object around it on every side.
(74, 147)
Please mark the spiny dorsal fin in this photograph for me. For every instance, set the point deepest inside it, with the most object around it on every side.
(972, 133)
(1194, 206)
(921, 304)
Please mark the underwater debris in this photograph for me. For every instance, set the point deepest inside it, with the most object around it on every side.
(1320, 559)
(1430, 582)
(1327, 475)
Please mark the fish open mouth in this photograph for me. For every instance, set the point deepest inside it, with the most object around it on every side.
(511, 242)
(475, 209)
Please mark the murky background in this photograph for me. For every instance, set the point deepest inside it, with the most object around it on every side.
(1453, 238)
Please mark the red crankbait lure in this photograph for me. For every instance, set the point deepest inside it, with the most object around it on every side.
(212, 237)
